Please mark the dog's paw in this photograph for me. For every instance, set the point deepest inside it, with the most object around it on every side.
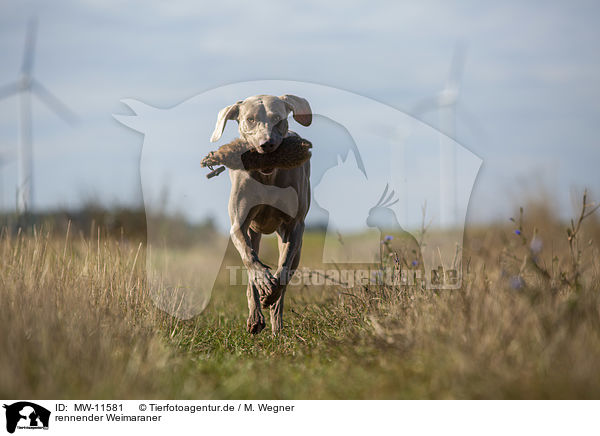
(264, 282)
(267, 300)
(255, 323)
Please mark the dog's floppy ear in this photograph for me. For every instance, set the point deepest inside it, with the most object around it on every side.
(228, 113)
(299, 107)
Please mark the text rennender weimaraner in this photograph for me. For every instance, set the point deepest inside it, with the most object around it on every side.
(262, 122)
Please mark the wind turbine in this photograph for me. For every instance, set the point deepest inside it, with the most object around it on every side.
(445, 103)
(25, 86)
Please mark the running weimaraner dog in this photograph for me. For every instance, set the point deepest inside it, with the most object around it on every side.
(267, 201)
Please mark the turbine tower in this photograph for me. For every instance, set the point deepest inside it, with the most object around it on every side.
(6, 157)
(445, 103)
(25, 86)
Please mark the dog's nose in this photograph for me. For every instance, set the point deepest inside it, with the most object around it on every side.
(268, 146)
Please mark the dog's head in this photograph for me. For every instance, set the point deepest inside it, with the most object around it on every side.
(262, 119)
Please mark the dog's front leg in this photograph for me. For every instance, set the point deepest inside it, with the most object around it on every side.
(260, 278)
(258, 272)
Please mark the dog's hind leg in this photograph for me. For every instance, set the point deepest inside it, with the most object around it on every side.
(256, 320)
(290, 246)
(290, 243)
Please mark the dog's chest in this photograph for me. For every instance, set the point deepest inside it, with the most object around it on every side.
(267, 219)
(268, 202)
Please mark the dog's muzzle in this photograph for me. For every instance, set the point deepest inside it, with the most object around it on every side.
(270, 145)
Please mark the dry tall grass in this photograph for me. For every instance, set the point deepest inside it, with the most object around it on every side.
(77, 321)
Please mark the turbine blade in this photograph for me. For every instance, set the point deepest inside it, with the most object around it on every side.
(457, 67)
(53, 102)
(449, 94)
(8, 90)
(425, 105)
(29, 52)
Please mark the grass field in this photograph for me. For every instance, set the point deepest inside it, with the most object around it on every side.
(78, 322)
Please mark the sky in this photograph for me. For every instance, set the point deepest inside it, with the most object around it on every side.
(529, 101)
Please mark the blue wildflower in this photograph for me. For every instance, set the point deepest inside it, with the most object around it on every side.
(517, 232)
(388, 238)
(415, 262)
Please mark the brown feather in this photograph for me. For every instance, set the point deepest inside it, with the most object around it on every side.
(292, 152)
